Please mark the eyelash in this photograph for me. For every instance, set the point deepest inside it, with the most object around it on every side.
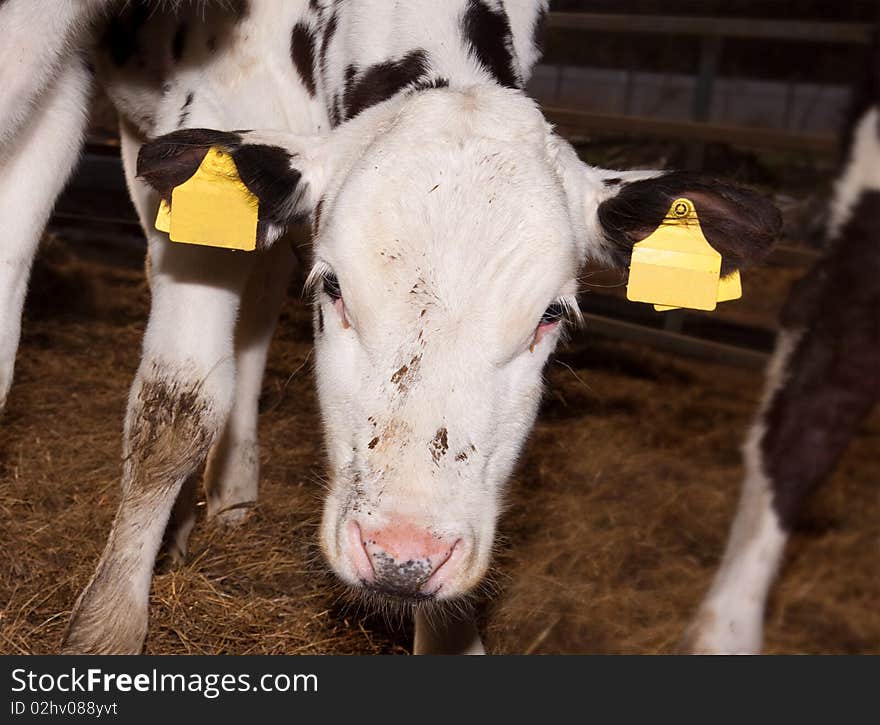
(331, 286)
(556, 312)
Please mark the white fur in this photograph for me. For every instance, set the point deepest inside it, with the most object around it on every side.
(39, 38)
(862, 172)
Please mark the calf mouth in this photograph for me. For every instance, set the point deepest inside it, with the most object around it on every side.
(372, 591)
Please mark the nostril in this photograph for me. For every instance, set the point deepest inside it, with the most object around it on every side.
(357, 549)
(445, 569)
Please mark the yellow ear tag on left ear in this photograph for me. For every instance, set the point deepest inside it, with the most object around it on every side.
(729, 288)
(213, 207)
(163, 218)
(675, 266)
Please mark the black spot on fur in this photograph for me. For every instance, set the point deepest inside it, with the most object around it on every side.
(178, 42)
(613, 181)
(302, 51)
(212, 44)
(381, 81)
(184, 110)
(488, 35)
(739, 223)
(320, 317)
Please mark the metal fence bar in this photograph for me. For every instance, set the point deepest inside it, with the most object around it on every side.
(795, 30)
(674, 342)
(748, 136)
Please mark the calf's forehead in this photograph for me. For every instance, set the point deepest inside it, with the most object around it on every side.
(466, 220)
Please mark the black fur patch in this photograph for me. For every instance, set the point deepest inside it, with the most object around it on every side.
(739, 223)
(170, 160)
(120, 38)
(267, 172)
(184, 110)
(178, 42)
(832, 378)
(381, 81)
(488, 34)
(302, 51)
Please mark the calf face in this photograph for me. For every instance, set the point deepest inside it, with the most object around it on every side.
(450, 227)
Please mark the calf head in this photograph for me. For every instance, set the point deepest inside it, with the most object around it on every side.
(450, 228)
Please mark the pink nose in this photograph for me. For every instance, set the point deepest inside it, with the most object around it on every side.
(401, 559)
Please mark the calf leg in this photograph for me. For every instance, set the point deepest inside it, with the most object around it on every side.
(32, 174)
(818, 391)
(178, 405)
(40, 38)
(446, 636)
(234, 464)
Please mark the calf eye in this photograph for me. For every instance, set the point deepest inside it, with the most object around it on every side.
(334, 292)
(553, 314)
(331, 286)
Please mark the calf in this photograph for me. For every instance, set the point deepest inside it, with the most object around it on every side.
(822, 382)
(450, 224)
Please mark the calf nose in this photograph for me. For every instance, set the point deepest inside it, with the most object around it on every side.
(403, 559)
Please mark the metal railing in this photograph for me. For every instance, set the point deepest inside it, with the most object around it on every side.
(712, 32)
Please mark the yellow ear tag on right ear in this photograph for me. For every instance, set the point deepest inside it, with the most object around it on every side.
(675, 266)
(213, 207)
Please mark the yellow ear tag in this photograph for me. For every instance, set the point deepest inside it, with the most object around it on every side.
(163, 218)
(729, 288)
(213, 207)
(675, 266)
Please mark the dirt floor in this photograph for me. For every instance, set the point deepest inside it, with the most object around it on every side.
(617, 516)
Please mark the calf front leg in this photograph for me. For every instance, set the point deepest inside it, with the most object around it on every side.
(32, 174)
(232, 476)
(177, 406)
(446, 636)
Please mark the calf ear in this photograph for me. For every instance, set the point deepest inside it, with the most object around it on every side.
(283, 171)
(613, 210)
(740, 224)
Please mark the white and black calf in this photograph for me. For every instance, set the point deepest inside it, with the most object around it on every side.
(450, 224)
(822, 382)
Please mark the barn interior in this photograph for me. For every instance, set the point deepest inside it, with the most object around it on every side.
(621, 504)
